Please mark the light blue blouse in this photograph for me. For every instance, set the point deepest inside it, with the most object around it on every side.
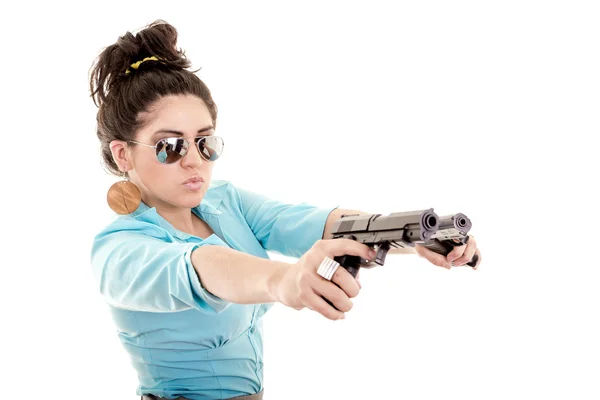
(183, 340)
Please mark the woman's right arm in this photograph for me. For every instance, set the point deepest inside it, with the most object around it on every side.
(236, 276)
(138, 272)
(246, 279)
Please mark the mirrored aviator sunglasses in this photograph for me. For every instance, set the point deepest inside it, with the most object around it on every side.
(170, 150)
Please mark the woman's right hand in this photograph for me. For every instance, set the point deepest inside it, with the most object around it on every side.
(300, 286)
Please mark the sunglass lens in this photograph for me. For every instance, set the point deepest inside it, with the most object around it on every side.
(171, 150)
(210, 147)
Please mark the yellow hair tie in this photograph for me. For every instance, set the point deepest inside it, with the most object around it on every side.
(135, 65)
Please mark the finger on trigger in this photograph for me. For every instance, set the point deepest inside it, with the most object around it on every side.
(353, 248)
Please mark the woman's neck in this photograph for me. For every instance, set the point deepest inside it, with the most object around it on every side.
(181, 218)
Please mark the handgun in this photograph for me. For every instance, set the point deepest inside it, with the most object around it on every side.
(401, 230)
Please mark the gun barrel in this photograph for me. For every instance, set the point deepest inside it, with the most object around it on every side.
(455, 226)
(458, 221)
(424, 228)
(404, 229)
(410, 227)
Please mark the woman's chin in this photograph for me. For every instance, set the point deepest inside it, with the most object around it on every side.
(190, 200)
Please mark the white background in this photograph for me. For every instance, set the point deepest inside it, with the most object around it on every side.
(485, 108)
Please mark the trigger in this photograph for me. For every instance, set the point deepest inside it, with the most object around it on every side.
(381, 253)
(457, 242)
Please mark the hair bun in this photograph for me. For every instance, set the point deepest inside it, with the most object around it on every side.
(158, 40)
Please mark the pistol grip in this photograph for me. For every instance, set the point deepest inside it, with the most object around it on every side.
(350, 264)
(444, 247)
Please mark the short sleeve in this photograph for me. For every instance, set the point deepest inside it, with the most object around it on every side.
(288, 229)
(138, 272)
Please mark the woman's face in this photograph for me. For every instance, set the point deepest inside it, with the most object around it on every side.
(164, 185)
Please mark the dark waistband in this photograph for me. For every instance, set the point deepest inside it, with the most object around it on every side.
(257, 396)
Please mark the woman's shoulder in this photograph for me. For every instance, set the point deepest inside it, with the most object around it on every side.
(146, 220)
(143, 224)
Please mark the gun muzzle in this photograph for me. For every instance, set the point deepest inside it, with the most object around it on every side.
(458, 221)
(425, 226)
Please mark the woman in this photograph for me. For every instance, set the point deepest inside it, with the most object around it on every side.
(184, 269)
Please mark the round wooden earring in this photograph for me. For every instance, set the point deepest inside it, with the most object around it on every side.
(124, 197)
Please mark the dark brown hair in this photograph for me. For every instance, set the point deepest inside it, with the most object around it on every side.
(122, 97)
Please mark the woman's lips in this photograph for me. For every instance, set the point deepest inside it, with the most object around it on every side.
(194, 183)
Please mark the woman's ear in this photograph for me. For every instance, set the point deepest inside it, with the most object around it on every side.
(120, 155)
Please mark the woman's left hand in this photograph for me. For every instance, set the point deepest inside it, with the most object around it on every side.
(460, 255)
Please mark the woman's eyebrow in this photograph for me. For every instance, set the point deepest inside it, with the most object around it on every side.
(174, 132)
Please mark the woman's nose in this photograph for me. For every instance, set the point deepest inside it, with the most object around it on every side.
(192, 158)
